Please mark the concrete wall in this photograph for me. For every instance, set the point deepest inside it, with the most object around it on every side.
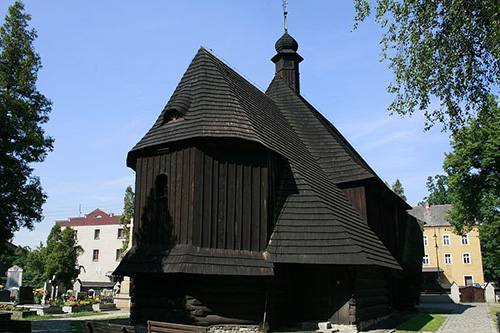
(107, 244)
(457, 270)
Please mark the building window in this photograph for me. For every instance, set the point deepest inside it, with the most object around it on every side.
(446, 240)
(425, 240)
(426, 261)
(95, 255)
(97, 233)
(447, 259)
(118, 254)
(120, 233)
(468, 280)
(465, 239)
(466, 258)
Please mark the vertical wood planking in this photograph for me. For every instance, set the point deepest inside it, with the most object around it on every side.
(168, 227)
(173, 189)
(247, 207)
(230, 219)
(264, 195)
(185, 196)
(178, 194)
(238, 208)
(197, 203)
(149, 199)
(137, 203)
(155, 220)
(221, 218)
(194, 197)
(207, 200)
(215, 198)
(256, 221)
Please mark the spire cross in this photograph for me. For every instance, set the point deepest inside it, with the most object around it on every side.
(284, 3)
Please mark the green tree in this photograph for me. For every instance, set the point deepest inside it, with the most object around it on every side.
(22, 111)
(444, 49)
(127, 216)
(31, 261)
(438, 190)
(473, 168)
(397, 188)
(34, 267)
(61, 255)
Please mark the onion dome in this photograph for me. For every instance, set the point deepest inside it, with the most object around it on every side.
(286, 42)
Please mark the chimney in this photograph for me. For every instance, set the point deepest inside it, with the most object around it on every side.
(287, 60)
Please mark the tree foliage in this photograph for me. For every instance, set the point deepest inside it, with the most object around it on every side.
(31, 261)
(444, 49)
(127, 216)
(437, 187)
(22, 111)
(62, 255)
(397, 188)
(473, 168)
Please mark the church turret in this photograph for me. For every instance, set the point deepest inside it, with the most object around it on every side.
(287, 59)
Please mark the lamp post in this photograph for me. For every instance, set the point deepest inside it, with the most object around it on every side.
(437, 256)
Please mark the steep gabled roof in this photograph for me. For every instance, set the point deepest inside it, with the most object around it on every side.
(316, 225)
(330, 149)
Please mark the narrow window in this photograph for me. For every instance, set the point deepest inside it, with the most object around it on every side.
(425, 240)
(118, 254)
(97, 233)
(120, 233)
(426, 261)
(446, 240)
(466, 258)
(95, 255)
(465, 239)
(447, 259)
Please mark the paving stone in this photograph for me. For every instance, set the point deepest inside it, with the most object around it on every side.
(469, 317)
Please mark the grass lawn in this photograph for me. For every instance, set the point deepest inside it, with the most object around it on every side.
(422, 322)
(494, 308)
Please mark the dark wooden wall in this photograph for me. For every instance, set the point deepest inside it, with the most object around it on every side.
(311, 292)
(199, 299)
(215, 198)
(371, 294)
(380, 210)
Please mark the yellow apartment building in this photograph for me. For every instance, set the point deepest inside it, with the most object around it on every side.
(448, 257)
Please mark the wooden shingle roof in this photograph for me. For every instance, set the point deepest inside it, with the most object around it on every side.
(330, 149)
(317, 224)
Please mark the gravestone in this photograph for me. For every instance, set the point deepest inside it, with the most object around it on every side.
(455, 293)
(4, 296)
(490, 293)
(25, 295)
(77, 286)
(14, 277)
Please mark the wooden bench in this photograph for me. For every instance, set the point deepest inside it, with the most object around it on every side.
(100, 327)
(160, 327)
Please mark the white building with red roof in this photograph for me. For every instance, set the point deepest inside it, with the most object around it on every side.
(100, 234)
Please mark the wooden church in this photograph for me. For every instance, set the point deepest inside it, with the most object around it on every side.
(251, 206)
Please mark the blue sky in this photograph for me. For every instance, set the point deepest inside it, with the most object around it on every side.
(111, 66)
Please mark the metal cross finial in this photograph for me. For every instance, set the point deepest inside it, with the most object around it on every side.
(284, 3)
